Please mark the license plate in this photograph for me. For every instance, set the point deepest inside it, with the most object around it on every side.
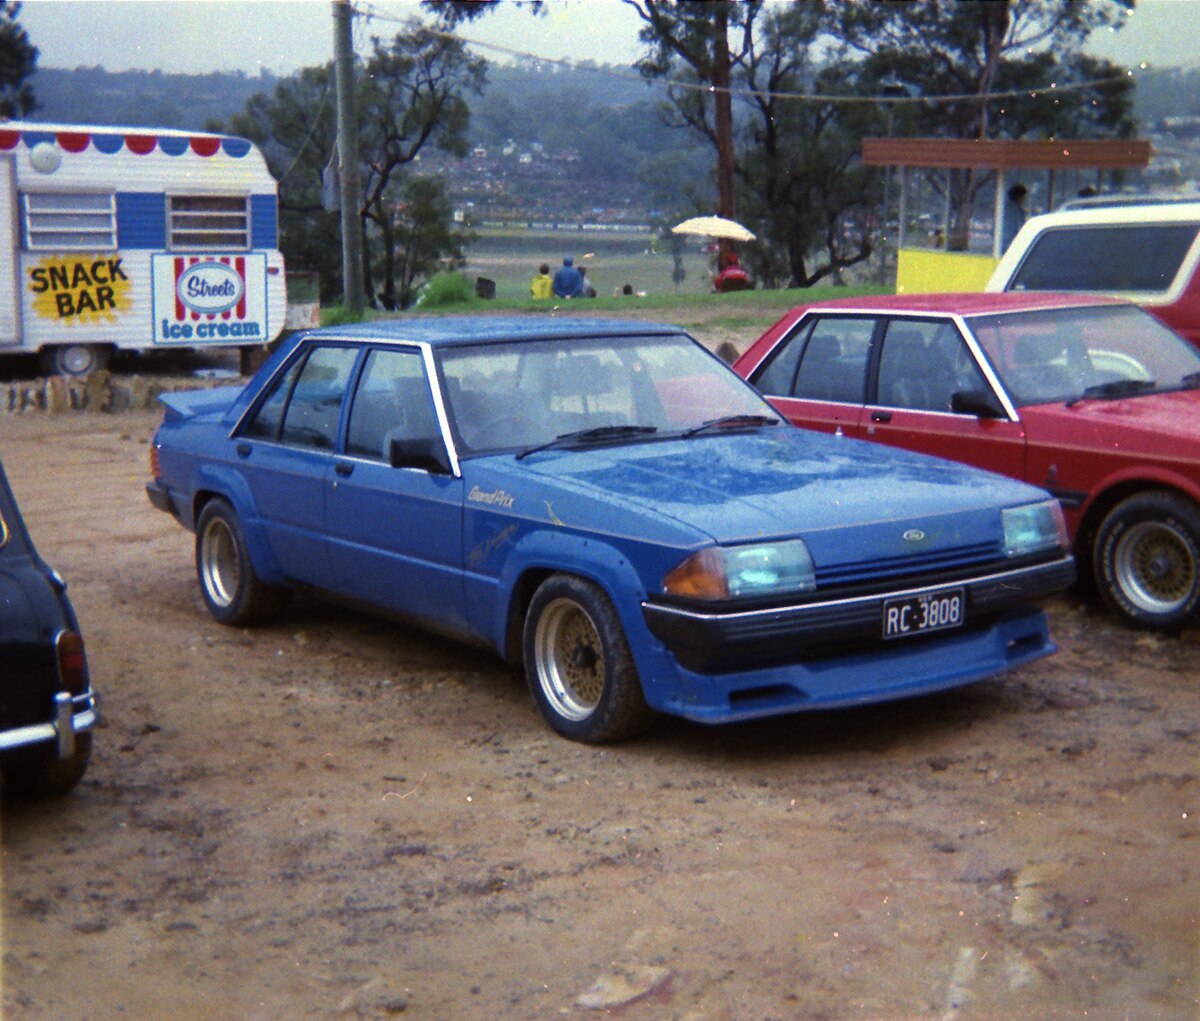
(918, 615)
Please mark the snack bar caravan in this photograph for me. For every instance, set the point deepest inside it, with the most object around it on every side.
(134, 239)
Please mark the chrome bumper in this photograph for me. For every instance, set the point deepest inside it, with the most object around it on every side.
(73, 714)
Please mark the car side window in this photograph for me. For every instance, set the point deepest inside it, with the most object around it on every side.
(923, 364)
(392, 402)
(315, 406)
(834, 363)
(265, 424)
(775, 377)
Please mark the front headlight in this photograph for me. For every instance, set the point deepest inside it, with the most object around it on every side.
(1033, 528)
(739, 572)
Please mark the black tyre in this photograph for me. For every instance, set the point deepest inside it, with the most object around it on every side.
(232, 591)
(40, 773)
(578, 664)
(73, 359)
(1147, 560)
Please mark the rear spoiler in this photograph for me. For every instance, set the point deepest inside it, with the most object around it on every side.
(191, 403)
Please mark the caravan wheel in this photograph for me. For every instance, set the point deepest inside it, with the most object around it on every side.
(73, 359)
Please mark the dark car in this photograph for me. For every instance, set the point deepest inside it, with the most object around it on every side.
(47, 708)
(1089, 397)
(606, 503)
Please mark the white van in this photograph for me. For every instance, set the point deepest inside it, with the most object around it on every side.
(1145, 252)
(134, 239)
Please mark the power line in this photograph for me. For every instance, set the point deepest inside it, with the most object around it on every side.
(369, 10)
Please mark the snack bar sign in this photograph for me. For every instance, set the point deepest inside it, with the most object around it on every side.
(209, 298)
(80, 288)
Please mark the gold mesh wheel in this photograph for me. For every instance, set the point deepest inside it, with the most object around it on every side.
(569, 659)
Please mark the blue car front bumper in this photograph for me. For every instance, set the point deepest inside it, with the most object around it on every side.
(826, 654)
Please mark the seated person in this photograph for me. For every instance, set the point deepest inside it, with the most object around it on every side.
(731, 277)
(567, 282)
(540, 286)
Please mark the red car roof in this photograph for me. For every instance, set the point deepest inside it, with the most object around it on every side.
(965, 304)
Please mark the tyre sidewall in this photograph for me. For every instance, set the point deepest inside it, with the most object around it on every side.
(234, 612)
(605, 722)
(1162, 510)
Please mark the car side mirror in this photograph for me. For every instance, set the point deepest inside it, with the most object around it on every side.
(425, 452)
(980, 403)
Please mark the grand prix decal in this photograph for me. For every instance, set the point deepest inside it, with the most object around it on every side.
(215, 298)
(80, 288)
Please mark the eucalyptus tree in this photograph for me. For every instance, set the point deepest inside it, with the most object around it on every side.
(295, 127)
(789, 156)
(987, 69)
(412, 94)
(18, 60)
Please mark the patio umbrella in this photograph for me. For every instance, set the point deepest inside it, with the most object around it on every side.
(713, 227)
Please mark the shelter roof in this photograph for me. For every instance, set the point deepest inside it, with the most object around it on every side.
(1006, 154)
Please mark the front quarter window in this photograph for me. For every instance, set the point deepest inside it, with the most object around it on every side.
(392, 402)
(922, 366)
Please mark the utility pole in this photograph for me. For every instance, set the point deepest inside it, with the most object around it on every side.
(723, 120)
(347, 121)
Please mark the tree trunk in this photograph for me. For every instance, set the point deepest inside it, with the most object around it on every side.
(723, 120)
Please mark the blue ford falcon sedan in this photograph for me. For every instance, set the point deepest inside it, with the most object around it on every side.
(607, 505)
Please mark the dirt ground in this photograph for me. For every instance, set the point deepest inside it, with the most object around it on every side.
(335, 817)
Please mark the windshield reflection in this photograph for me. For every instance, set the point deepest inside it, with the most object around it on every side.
(527, 394)
(1066, 355)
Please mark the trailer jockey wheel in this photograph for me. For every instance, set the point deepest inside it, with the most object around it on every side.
(73, 359)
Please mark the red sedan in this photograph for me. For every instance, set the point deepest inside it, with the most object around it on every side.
(1088, 397)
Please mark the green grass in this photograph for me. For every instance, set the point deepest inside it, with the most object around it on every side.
(511, 259)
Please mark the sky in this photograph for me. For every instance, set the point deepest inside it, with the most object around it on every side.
(195, 36)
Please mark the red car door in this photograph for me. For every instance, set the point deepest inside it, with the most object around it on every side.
(930, 395)
(817, 375)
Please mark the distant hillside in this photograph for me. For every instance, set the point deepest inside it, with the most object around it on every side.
(1173, 93)
(523, 103)
(549, 141)
(92, 95)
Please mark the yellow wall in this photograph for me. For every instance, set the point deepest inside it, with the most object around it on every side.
(924, 270)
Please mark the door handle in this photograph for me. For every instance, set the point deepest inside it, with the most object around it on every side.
(343, 469)
(243, 450)
(881, 416)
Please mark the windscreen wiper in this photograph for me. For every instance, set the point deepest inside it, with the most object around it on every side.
(1191, 381)
(731, 422)
(1113, 389)
(600, 434)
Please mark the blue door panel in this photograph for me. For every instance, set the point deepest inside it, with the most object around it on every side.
(396, 539)
(288, 485)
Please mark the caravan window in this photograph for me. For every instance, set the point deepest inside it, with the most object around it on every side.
(209, 221)
(64, 220)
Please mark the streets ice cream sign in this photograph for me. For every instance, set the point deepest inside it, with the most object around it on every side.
(86, 289)
(209, 298)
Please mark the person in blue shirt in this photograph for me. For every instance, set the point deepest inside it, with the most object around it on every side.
(567, 281)
(1014, 214)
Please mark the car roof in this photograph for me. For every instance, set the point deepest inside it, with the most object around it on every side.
(447, 331)
(1124, 213)
(964, 303)
(1124, 200)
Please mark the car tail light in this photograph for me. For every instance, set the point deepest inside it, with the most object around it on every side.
(155, 464)
(72, 662)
